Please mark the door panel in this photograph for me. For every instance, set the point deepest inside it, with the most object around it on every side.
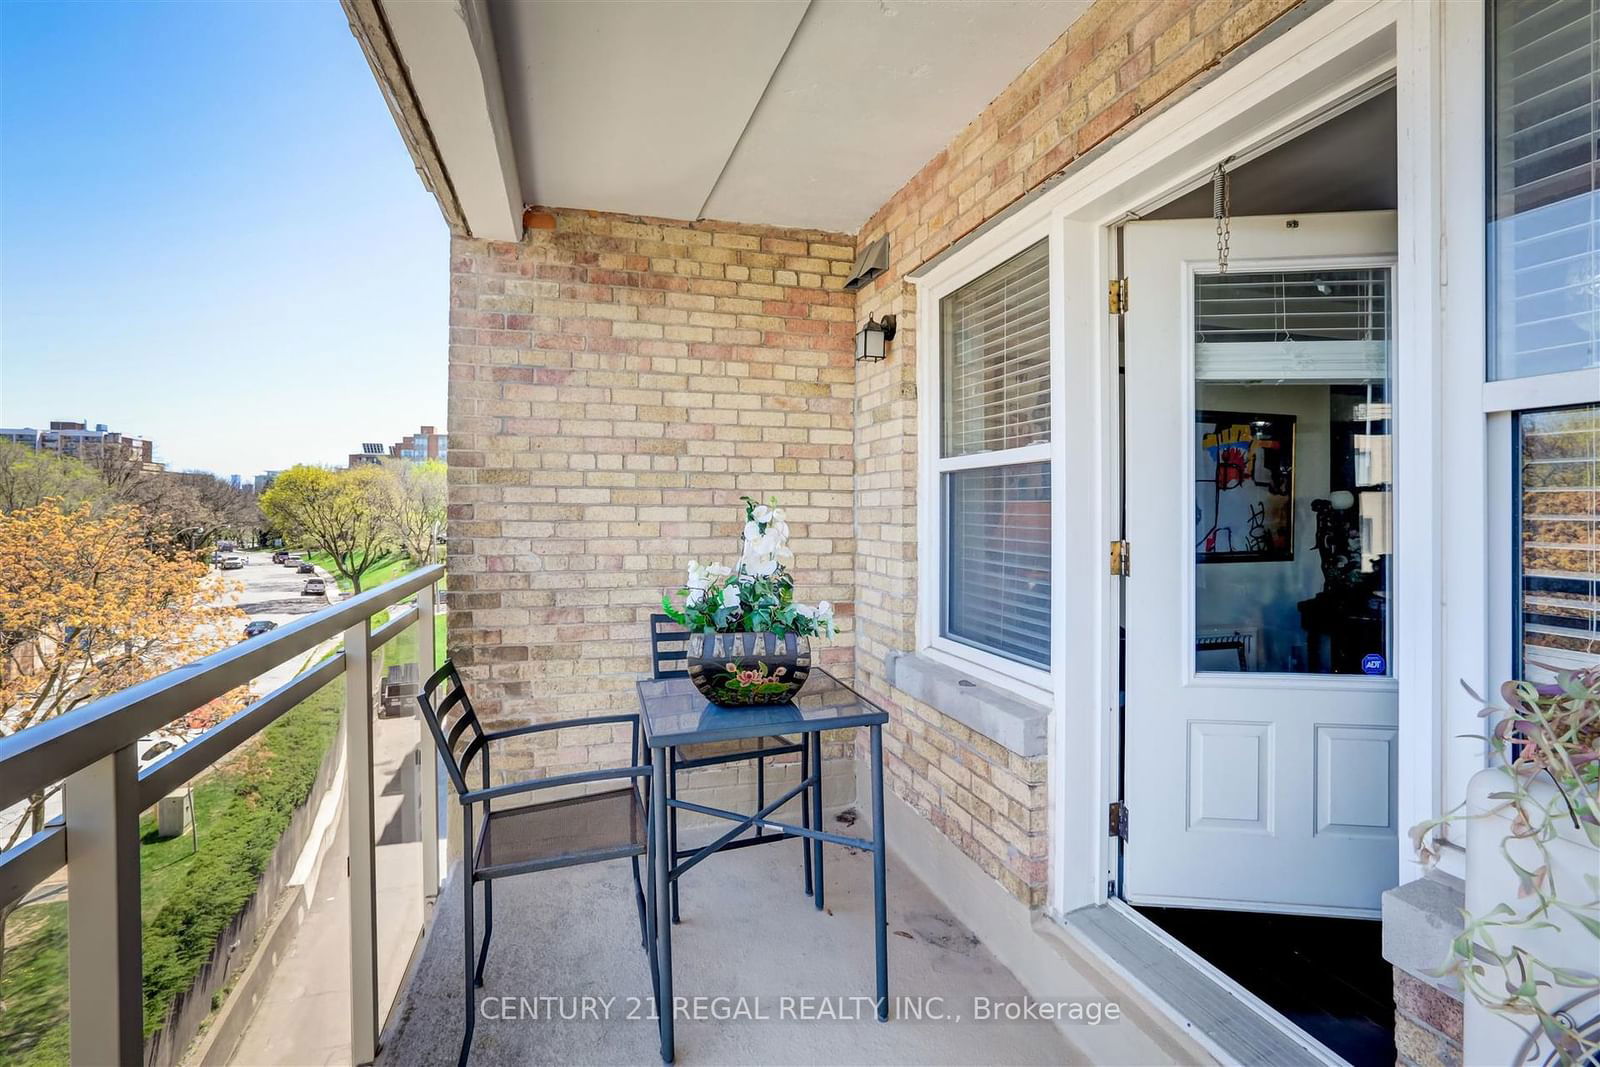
(1260, 709)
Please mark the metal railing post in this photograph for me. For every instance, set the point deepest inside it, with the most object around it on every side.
(361, 834)
(105, 969)
(428, 781)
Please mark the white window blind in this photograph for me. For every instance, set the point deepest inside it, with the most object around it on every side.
(999, 558)
(993, 460)
(997, 357)
(1558, 563)
(1544, 237)
(1327, 326)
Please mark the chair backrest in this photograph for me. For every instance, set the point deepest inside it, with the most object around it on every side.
(669, 647)
(453, 723)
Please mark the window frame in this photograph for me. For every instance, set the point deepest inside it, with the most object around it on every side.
(1473, 486)
(1504, 400)
(1023, 679)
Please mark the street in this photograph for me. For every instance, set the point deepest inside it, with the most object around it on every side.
(272, 592)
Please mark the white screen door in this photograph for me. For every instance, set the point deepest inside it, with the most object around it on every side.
(1260, 736)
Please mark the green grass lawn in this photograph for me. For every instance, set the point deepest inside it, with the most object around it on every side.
(188, 895)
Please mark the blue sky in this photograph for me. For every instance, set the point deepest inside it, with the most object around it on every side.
(211, 234)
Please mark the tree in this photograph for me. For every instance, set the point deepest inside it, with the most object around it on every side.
(29, 477)
(186, 509)
(414, 506)
(339, 512)
(89, 605)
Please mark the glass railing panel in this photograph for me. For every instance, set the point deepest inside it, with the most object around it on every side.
(33, 971)
(399, 765)
(263, 881)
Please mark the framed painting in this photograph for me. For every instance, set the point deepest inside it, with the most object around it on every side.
(1244, 487)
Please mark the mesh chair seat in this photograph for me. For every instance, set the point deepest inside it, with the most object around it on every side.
(561, 833)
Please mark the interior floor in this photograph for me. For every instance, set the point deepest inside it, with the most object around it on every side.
(1327, 976)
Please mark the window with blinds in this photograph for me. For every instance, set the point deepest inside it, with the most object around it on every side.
(996, 367)
(993, 460)
(998, 554)
(1558, 471)
(1543, 225)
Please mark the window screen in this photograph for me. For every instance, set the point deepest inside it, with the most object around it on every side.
(997, 357)
(1543, 227)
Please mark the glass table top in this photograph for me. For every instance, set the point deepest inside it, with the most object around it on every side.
(675, 713)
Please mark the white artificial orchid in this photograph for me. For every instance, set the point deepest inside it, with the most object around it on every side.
(758, 592)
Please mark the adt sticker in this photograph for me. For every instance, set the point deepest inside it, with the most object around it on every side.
(1372, 663)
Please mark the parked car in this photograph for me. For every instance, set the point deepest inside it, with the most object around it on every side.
(279, 556)
(306, 568)
(292, 559)
(257, 627)
(314, 587)
(233, 563)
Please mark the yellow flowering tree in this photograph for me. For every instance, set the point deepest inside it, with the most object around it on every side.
(91, 604)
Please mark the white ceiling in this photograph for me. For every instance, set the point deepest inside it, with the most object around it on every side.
(789, 112)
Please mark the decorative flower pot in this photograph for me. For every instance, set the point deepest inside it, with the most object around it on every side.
(745, 669)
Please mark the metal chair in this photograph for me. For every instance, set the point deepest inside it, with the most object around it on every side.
(669, 658)
(589, 828)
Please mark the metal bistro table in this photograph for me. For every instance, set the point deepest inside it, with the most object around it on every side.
(675, 713)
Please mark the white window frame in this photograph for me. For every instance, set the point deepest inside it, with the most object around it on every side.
(1025, 680)
(1478, 415)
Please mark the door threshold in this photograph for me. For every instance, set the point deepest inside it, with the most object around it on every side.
(1232, 1023)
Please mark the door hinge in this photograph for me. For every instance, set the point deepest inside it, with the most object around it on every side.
(1121, 559)
(1117, 296)
(1117, 824)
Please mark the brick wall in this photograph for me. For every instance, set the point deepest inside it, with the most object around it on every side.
(1427, 1024)
(616, 384)
(1117, 62)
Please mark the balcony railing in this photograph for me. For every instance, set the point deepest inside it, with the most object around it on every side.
(94, 752)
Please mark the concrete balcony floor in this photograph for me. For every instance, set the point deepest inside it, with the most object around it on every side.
(748, 934)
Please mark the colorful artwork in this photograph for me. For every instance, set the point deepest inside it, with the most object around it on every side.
(1244, 491)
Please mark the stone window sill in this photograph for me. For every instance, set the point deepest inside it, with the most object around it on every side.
(1011, 721)
(1420, 920)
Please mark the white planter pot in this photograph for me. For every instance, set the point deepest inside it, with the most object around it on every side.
(1493, 1039)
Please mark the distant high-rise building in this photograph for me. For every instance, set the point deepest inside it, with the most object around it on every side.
(263, 482)
(424, 444)
(99, 444)
(235, 481)
(20, 435)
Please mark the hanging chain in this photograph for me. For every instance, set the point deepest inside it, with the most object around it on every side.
(1221, 209)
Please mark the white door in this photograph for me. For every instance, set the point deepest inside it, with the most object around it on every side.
(1260, 728)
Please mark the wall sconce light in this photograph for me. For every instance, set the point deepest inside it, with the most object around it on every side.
(873, 337)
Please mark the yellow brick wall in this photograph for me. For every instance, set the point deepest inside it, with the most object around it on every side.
(1117, 62)
(616, 383)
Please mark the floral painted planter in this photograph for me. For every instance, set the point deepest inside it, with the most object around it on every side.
(746, 669)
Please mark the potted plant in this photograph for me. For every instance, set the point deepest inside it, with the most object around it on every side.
(1528, 956)
(749, 639)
